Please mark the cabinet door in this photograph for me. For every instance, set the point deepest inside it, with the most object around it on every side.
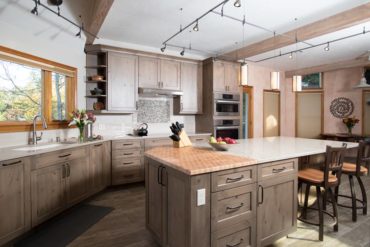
(155, 211)
(170, 74)
(277, 208)
(14, 199)
(232, 77)
(192, 88)
(148, 72)
(47, 192)
(122, 84)
(97, 168)
(219, 76)
(77, 181)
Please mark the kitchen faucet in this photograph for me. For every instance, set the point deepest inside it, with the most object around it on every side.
(36, 138)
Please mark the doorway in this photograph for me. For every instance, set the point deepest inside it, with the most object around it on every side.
(271, 113)
(247, 112)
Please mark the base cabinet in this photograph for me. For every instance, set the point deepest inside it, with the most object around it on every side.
(14, 198)
(100, 166)
(77, 180)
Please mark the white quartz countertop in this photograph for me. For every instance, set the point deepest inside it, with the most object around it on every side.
(17, 152)
(279, 148)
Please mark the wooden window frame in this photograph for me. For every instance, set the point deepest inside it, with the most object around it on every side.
(71, 93)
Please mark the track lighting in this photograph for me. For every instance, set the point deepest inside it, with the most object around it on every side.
(35, 10)
(182, 52)
(327, 47)
(79, 33)
(163, 48)
(196, 27)
(291, 55)
(237, 3)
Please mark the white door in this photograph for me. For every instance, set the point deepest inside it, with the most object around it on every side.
(271, 113)
(122, 84)
(309, 114)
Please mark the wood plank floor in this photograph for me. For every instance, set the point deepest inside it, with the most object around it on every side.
(125, 226)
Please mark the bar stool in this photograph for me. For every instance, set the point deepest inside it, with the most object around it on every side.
(328, 179)
(356, 170)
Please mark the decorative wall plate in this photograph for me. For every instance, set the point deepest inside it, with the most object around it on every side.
(341, 107)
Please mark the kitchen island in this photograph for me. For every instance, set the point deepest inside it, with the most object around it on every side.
(246, 196)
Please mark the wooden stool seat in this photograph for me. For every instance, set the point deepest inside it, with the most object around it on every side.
(316, 177)
(349, 168)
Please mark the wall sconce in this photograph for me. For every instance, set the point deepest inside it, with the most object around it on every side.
(275, 80)
(297, 83)
(244, 74)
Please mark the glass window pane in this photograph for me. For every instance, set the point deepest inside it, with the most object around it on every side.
(58, 97)
(311, 81)
(20, 92)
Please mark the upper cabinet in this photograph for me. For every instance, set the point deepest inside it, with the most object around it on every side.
(192, 87)
(226, 76)
(159, 73)
(123, 82)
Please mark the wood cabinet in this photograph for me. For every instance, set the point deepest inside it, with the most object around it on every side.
(159, 73)
(14, 198)
(47, 192)
(100, 166)
(123, 82)
(226, 76)
(192, 86)
(277, 201)
(77, 180)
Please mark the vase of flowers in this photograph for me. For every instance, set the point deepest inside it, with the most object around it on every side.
(80, 118)
(350, 122)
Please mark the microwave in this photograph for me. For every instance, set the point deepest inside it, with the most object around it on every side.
(226, 104)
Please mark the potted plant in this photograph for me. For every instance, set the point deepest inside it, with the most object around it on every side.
(350, 122)
(80, 118)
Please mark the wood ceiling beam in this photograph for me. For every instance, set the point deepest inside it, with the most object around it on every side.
(330, 24)
(100, 9)
(358, 62)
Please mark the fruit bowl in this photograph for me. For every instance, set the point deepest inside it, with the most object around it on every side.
(219, 147)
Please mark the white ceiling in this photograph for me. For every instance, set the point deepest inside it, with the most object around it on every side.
(150, 22)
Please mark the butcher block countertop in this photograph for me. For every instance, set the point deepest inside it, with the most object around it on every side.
(203, 159)
(197, 160)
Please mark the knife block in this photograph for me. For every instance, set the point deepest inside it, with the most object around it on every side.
(184, 140)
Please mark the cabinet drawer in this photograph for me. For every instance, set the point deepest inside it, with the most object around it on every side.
(126, 144)
(127, 174)
(44, 160)
(232, 206)
(126, 153)
(117, 163)
(233, 178)
(199, 139)
(239, 235)
(149, 143)
(276, 169)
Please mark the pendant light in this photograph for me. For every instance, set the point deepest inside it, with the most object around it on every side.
(363, 82)
(275, 75)
(244, 74)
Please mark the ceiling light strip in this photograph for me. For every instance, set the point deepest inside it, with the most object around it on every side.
(259, 27)
(195, 21)
(306, 48)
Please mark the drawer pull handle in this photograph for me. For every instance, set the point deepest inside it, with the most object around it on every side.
(235, 245)
(199, 140)
(128, 153)
(63, 156)
(128, 163)
(98, 145)
(233, 180)
(128, 144)
(277, 170)
(262, 195)
(12, 163)
(234, 208)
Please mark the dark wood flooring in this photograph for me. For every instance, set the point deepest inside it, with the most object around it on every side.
(125, 226)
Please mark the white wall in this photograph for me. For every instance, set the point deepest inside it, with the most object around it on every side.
(50, 37)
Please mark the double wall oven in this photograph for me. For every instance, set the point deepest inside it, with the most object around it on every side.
(226, 115)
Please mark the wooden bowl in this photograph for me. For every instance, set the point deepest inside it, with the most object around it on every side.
(97, 77)
(219, 147)
(98, 106)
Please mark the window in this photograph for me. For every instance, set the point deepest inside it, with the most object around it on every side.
(311, 81)
(32, 86)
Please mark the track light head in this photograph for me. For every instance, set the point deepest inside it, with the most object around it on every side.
(35, 11)
(163, 48)
(182, 52)
(237, 3)
(327, 47)
(196, 27)
(291, 55)
(79, 33)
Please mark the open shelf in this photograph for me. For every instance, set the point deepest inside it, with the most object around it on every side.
(96, 96)
(96, 67)
(98, 81)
